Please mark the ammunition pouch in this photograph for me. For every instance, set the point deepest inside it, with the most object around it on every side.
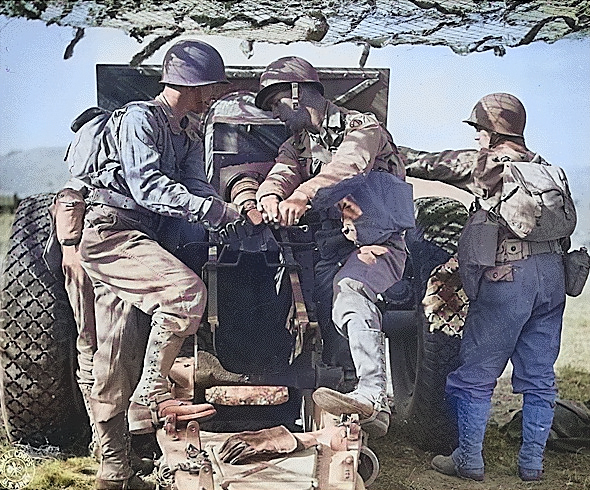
(479, 241)
(68, 210)
(511, 249)
(576, 265)
(477, 250)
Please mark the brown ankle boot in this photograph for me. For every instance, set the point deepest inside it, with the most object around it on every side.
(133, 483)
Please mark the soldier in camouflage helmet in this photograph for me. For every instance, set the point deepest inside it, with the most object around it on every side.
(330, 147)
(149, 173)
(516, 302)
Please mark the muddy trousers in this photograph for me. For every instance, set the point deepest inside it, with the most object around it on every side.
(518, 318)
(130, 269)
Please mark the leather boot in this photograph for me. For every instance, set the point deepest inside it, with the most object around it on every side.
(369, 399)
(114, 471)
(132, 483)
(537, 418)
(467, 461)
(153, 389)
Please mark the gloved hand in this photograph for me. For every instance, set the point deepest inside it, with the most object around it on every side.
(245, 445)
(219, 214)
(235, 232)
(269, 443)
(239, 230)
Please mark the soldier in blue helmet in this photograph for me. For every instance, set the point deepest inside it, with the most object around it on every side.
(149, 168)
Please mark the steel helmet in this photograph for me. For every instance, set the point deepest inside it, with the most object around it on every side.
(191, 63)
(499, 113)
(280, 74)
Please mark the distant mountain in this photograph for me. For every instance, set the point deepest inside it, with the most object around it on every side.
(43, 170)
(33, 171)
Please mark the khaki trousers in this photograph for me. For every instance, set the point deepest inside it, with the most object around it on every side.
(129, 268)
(81, 296)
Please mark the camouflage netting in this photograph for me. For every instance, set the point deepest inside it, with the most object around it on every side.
(464, 26)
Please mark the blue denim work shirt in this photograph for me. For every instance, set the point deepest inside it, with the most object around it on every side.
(147, 155)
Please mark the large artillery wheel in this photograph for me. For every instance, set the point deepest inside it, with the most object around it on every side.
(39, 397)
(424, 334)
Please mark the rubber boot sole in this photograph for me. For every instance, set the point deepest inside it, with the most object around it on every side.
(338, 403)
(375, 424)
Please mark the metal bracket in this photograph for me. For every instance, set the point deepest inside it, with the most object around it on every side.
(210, 269)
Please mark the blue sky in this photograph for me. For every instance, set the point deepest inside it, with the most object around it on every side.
(431, 91)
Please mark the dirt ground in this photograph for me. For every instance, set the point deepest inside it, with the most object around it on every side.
(404, 467)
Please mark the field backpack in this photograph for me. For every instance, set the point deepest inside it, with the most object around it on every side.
(536, 203)
(83, 153)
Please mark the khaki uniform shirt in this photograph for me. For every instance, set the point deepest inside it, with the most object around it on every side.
(348, 144)
(478, 172)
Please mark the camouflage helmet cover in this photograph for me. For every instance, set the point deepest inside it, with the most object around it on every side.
(281, 73)
(191, 63)
(499, 113)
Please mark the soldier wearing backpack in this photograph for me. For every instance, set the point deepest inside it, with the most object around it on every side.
(146, 170)
(511, 264)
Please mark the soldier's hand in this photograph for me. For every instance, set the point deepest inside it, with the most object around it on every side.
(350, 209)
(293, 208)
(269, 206)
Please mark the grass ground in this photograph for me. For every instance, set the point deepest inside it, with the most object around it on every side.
(5, 225)
(403, 466)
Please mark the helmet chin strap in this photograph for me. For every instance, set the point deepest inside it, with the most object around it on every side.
(295, 95)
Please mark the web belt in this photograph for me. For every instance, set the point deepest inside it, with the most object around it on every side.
(112, 198)
(511, 249)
